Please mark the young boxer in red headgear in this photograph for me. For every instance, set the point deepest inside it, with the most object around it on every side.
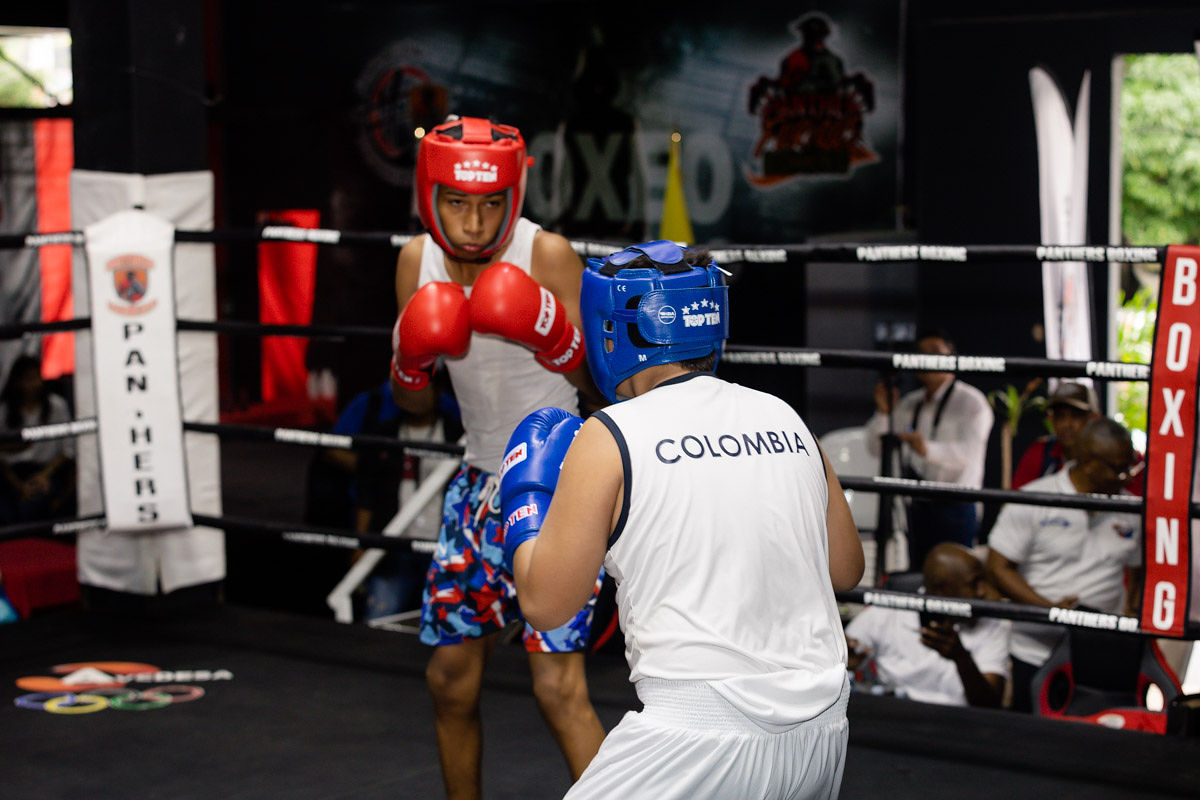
(497, 299)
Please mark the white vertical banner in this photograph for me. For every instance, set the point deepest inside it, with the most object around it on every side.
(132, 294)
(1062, 193)
(187, 555)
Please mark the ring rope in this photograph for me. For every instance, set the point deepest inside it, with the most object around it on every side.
(967, 608)
(19, 330)
(449, 451)
(61, 526)
(55, 430)
(263, 329)
(840, 253)
(950, 606)
(317, 534)
(732, 254)
(933, 490)
(882, 360)
(917, 362)
(301, 436)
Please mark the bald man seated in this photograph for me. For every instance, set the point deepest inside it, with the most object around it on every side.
(940, 660)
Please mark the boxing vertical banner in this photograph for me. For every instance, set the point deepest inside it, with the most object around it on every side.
(132, 291)
(1171, 428)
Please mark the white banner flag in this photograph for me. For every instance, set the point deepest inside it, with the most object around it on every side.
(136, 370)
(1062, 191)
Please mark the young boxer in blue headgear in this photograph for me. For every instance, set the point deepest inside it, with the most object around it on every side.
(726, 531)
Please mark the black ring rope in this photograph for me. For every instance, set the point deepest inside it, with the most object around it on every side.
(300, 436)
(300, 533)
(931, 490)
(261, 329)
(966, 608)
(55, 430)
(732, 254)
(917, 362)
(59, 526)
(763, 254)
(921, 489)
(19, 330)
(323, 536)
(734, 353)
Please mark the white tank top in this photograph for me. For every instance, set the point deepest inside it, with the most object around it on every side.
(497, 382)
(721, 555)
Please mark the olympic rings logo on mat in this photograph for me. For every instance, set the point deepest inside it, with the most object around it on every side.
(91, 686)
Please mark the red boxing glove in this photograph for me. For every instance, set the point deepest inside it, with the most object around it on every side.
(506, 301)
(435, 321)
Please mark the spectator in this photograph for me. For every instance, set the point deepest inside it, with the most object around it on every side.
(364, 489)
(37, 479)
(1049, 556)
(943, 431)
(1068, 409)
(938, 660)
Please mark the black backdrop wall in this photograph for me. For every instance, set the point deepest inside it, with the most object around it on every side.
(314, 106)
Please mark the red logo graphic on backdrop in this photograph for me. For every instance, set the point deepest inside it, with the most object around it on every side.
(131, 279)
(396, 97)
(811, 115)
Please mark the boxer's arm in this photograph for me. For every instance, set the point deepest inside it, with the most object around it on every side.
(846, 560)
(408, 270)
(556, 266)
(556, 573)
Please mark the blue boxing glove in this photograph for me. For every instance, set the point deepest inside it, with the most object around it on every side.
(529, 473)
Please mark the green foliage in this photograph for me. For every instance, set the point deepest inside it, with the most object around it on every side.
(1160, 138)
(16, 91)
(1012, 405)
(1135, 340)
(1160, 194)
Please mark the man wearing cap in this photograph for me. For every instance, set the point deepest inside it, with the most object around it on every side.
(1069, 407)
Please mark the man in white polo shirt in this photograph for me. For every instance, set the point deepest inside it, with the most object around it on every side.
(1048, 556)
(937, 660)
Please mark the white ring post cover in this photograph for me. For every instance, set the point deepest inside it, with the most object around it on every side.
(142, 471)
(165, 558)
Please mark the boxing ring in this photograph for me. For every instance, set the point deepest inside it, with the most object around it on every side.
(250, 703)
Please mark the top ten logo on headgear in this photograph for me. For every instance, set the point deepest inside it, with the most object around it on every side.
(131, 280)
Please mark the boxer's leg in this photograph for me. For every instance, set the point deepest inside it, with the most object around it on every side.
(560, 687)
(455, 675)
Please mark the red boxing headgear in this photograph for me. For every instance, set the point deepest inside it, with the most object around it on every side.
(474, 156)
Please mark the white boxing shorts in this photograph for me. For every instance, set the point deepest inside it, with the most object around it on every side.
(689, 742)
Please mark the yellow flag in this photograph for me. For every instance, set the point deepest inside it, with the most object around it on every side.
(675, 223)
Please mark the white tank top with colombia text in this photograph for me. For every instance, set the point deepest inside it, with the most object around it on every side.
(722, 558)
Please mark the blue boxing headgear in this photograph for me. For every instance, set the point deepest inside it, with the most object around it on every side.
(640, 316)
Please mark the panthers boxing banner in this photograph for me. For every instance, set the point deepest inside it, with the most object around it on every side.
(1171, 428)
(132, 292)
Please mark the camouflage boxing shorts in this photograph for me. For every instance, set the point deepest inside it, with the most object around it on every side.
(468, 593)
